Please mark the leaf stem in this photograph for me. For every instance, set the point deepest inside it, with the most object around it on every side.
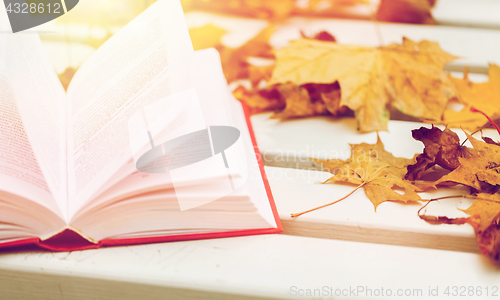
(473, 109)
(352, 192)
(446, 197)
(357, 188)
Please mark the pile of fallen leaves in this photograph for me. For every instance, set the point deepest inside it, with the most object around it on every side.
(380, 174)
(316, 76)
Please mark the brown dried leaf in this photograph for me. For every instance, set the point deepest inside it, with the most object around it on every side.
(260, 100)
(442, 148)
(324, 36)
(486, 209)
(406, 11)
(296, 101)
(256, 74)
(480, 170)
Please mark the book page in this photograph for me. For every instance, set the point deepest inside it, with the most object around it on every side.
(179, 115)
(40, 100)
(20, 173)
(132, 69)
(207, 76)
(181, 138)
(219, 108)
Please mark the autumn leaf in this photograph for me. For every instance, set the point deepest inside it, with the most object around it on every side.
(407, 77)
(331, 8)
(484, 218)
(406, 11)
(268, 99)
(488, 140)
(479, 170)
(486, 210)
(329, 94)
(294, 101)
(235, 60)
(262, 9)
(298, 102)
(483, 96)
(66, 76)
(324, 36)
(486, 162)
(442, 148)
(275, 10)
(264, 72)
(207, 36)
(308, 100)
(259, 45)
(256, 74)
(376, 170)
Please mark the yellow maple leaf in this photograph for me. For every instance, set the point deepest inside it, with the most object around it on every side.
(482, 96)
(377, 170)
(408, 77)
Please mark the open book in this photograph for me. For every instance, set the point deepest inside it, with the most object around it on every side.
(72, 173)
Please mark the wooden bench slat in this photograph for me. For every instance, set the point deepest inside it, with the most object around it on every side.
(468, 13)
(476, 47)
(355, 219)
(268, 266)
